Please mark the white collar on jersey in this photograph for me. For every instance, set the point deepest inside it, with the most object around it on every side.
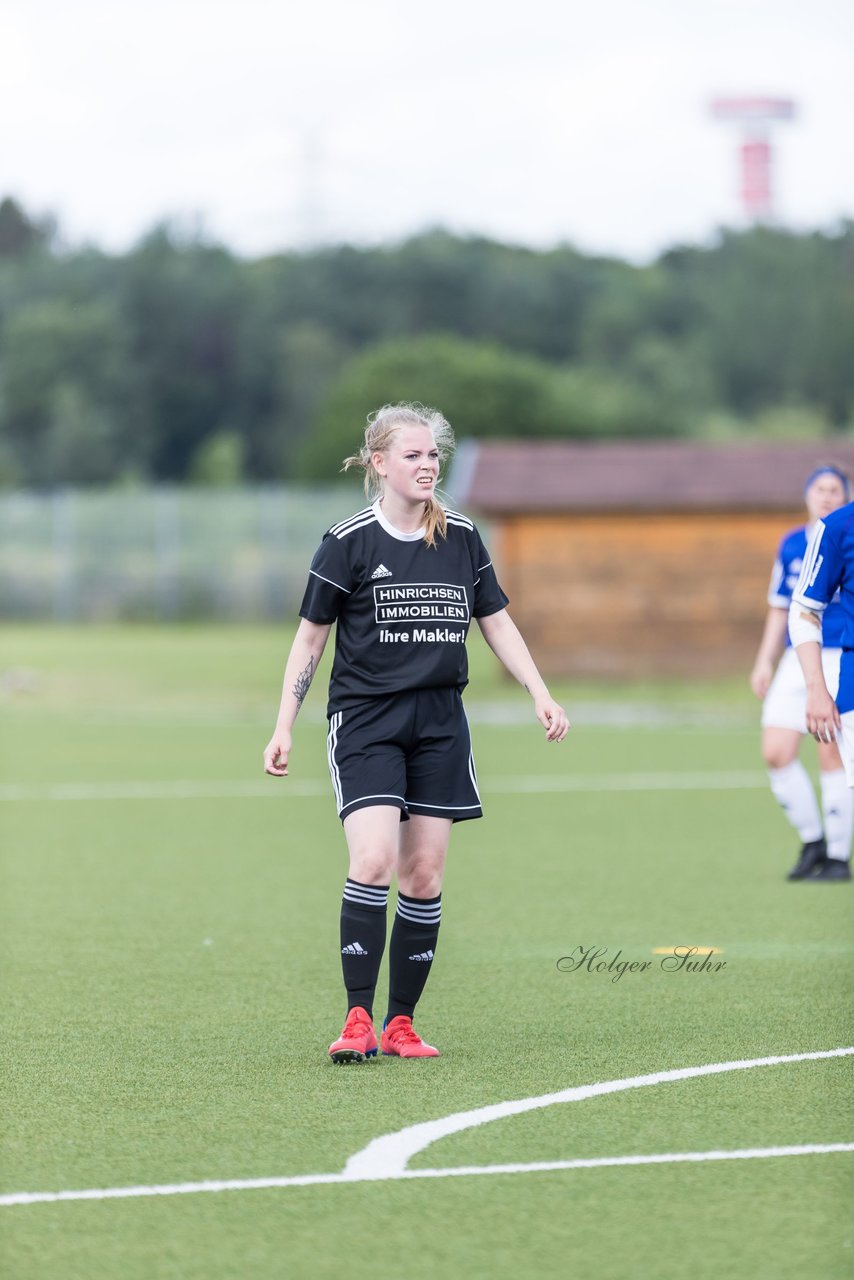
(389, 528)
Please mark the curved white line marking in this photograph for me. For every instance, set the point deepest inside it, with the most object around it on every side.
(385, 1158)
(392, 1153)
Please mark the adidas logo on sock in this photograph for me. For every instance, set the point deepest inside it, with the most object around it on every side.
(382, 572)
(354, 949)
(422, 955)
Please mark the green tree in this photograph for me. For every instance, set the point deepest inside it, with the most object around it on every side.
(163, 360)
(183, 306)
(65, 376)
(482, 390)
(20, 233)
(772, 314)
(82, 445)
(309, 361)
(218, 462)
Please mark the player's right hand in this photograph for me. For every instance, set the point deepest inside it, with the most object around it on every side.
(760, 678)
(276, 755)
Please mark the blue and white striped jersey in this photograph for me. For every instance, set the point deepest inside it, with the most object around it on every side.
(402, 609)
(828, 569)
(784, 577)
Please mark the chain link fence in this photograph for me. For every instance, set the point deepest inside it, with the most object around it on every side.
(165, 553)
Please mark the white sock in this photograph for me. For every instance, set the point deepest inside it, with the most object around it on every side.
(837, 803)
(794, 793)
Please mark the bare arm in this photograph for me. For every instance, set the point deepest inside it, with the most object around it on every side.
(303, 660)
(505, 640)
(770, 647)
(822, 712)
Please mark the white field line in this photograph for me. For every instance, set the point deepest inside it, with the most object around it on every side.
(606, 1162)
(392, 1153)
(302, 788)
(384, 1159)
(164, 789)
(493, 714)
(456, 1171)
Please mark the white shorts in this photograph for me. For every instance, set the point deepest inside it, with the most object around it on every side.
(786, 700)
(846, 745)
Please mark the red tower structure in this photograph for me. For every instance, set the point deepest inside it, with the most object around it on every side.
(756, 118)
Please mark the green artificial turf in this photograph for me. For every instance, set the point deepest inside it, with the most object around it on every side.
(171, 982)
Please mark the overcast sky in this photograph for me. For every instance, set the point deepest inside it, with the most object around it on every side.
(277, 124)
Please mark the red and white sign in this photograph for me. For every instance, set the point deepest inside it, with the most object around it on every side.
(746, 110)
(757, 118)
(756, 177)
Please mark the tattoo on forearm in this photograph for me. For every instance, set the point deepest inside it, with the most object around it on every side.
(303, 683)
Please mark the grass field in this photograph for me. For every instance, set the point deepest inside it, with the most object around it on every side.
(171, 982)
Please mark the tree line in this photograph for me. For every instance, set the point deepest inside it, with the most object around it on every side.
(179, 361)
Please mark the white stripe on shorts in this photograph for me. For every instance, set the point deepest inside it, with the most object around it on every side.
(453, 808)
(846, 745)
(383, 795)
(331, 744)
(472, 771)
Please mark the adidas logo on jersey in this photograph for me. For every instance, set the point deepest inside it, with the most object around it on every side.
(381, 572)
(422, 955)
(354, 949)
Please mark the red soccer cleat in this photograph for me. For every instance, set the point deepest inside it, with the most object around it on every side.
(401, 1041)
(357, 1041)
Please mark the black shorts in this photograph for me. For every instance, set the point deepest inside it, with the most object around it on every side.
(412, 750)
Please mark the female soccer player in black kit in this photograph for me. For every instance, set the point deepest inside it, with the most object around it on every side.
(401, 580)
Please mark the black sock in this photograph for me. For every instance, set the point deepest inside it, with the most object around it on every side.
(410, 953)
(363, 910)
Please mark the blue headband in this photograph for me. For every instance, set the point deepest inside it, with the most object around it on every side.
(830, 471)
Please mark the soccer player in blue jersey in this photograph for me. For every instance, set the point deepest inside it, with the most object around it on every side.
(401, 580)
(826, 835)
(828, 568)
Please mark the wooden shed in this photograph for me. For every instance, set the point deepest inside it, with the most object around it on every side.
(638, 559)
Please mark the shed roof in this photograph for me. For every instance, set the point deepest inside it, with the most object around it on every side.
(536, 476)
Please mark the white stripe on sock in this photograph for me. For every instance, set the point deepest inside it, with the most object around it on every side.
(374, 896)
(419, 912)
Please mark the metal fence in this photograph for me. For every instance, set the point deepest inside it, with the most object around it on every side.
(163, 553)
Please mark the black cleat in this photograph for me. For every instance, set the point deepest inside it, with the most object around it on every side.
(836, 869)
(813, 856)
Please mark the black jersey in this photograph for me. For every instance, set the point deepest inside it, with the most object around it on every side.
(402, 609)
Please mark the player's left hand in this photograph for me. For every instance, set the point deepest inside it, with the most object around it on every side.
(553, 718)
